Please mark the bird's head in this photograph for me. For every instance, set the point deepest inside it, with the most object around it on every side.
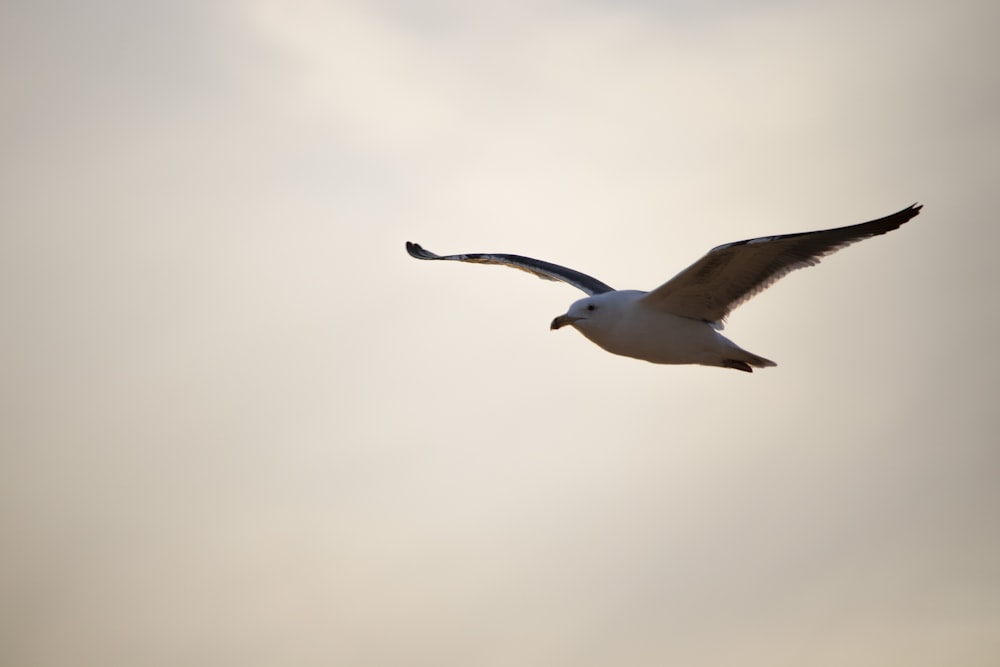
(589, 312)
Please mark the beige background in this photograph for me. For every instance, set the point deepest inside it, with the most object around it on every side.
(241, 427)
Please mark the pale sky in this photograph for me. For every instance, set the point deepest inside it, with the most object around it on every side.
(242, 427)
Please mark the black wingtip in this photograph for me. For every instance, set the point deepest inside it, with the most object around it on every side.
(907, 214)
(417, 251)
(889, 222)
(912, 211)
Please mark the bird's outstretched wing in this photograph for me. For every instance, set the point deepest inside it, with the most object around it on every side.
(537, 267)
(731, 274)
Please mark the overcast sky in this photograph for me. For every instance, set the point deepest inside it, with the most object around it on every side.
(240, 426)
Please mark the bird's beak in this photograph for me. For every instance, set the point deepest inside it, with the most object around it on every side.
(562, 321)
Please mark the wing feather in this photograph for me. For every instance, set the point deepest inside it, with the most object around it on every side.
(536, 267)
(732, 273)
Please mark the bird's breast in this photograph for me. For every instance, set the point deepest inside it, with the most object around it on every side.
(658, 337)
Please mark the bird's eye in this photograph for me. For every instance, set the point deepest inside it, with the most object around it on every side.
(590, 306)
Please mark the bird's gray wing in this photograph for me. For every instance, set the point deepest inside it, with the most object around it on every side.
(544, 270)
(732, 273)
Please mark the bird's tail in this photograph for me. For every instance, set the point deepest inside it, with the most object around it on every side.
(747, 361)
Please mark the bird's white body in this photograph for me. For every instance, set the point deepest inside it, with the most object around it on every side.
(622, 323)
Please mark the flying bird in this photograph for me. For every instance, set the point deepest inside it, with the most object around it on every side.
(679, 322)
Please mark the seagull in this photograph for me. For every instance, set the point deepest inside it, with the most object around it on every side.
(679, 321)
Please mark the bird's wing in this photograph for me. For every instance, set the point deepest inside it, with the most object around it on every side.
(537, 267)
(733, 273)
